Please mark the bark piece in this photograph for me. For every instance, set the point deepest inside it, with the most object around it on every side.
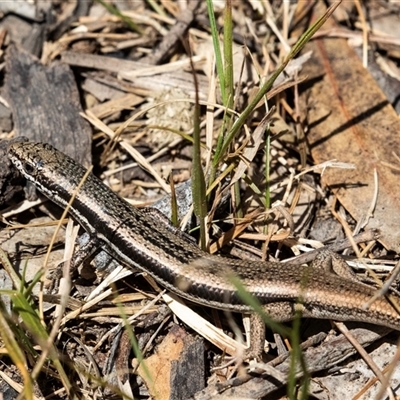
(177, 367)
(351, 120)
(45, 104)
(187, 373)
(28, 35)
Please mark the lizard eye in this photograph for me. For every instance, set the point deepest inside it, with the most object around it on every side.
(28, 168)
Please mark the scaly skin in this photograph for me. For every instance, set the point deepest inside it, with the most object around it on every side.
(139, 240)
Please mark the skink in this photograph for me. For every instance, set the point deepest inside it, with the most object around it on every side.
(139, 240)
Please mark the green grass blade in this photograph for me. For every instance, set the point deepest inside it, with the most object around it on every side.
(304, 39)
(14, 350)
(228, 55)
(33, 324)
(217, 49)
